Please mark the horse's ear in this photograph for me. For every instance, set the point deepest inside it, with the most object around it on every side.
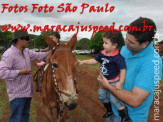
(49, 41)
(72, 42)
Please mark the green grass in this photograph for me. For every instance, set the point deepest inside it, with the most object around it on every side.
(86, 57)
(3, 98)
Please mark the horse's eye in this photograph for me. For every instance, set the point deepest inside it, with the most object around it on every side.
(55, 65)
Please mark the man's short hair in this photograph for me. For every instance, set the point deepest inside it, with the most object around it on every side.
(143, 34)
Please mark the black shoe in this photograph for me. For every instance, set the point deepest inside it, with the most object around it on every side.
(109, 110)
(124, 115)
(108, 114)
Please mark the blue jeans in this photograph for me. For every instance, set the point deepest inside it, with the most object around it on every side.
(103, 95)
(113, 119)
(20, 110)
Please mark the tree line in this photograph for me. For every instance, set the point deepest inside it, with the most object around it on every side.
(38, 41)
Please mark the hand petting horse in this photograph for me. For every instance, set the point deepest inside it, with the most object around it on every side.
(59, 79)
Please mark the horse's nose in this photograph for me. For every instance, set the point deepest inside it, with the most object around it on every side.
(71, 104)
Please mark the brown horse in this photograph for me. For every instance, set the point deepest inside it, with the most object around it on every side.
(59, 79)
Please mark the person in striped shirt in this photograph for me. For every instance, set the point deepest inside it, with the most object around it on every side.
(15, 69)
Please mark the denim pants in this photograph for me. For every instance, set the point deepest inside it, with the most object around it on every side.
(113, 119)
(20, 110)
(103, 95)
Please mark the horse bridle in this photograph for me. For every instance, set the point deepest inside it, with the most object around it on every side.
(57, 89)
(55, 81)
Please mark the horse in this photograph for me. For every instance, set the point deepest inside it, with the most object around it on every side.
(59, 88)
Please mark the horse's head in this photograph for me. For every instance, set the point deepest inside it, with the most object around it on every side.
(63, 66)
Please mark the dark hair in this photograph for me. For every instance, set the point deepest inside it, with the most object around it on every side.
(115, 37)
(56, 34)
(139, 34)
(14, 41)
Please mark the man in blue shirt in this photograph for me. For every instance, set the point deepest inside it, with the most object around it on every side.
(144, 71)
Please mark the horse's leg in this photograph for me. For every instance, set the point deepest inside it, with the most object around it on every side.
(46, 107)
(48, 111)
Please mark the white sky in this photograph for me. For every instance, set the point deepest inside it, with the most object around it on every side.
(124, 13)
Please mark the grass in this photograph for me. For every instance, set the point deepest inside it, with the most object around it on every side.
(86, 57)
(80, 113)
(3, 98)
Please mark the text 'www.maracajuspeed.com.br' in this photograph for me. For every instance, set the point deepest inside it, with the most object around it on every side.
(75, 28)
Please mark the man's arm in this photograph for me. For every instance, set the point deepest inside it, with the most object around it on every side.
(45, 49)
(133, 98)
(38, 55)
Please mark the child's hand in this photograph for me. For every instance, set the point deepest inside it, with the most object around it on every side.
(80, 62)
(118, 85)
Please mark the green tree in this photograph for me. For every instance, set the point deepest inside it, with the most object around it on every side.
(39, 41)
(83, 44)
(32, 40)
(96, 42)
(5, 38)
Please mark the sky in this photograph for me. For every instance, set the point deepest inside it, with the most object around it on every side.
(125, 11)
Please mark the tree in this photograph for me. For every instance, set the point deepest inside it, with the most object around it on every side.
(96, 42)
(83, 44)
(39, 42)
(5, 38)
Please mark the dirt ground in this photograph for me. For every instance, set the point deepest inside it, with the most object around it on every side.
(89, 108)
